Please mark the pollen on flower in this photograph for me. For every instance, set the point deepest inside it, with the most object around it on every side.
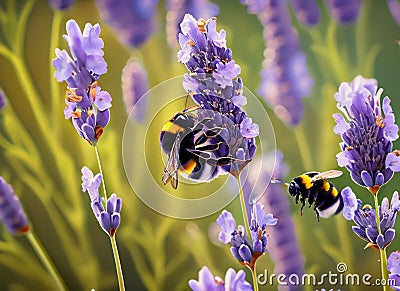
(349, 148)
(201, 23)
(98, 131)
(76, 114)
(396, 153)
(379, 122)
(70, 95)
(191, 43)
(92, 89)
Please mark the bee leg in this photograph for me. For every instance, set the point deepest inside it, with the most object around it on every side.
(302, 206)
(317, 213)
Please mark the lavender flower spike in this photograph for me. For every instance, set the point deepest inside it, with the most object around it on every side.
(87, 105)
(345, 12)
(368, 130)
(365, 219)
(233, 281)
(242, 249)
(11, 213)
(394, 8)
(109, 217)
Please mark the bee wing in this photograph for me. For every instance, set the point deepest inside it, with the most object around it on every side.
(328, 174)
(171, 168)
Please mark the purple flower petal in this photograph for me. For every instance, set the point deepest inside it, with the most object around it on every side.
(103, 100)
(228, 226)
(394, 262)
(249, 129)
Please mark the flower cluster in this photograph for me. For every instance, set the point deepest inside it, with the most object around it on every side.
(367, 134)
(394, 269)
(233, 281)
(109, 217)
(226, 133)
(242, 249)
(87, 105)
(306, 11)
(11, 213)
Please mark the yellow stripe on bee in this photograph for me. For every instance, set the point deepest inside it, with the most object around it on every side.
(306, 181)
(334, 192)
(189, 166)
(172, 127)
(326, 186)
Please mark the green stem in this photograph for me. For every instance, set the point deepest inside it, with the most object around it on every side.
(254, 277)
(54, 92)
(243, 205)
(382, 252)
(45, 258)
(117, 263)
(101, 173)
(304, 147)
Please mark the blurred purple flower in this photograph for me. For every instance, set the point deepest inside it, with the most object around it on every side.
(306, 11)
(367, 130)
(3, 100)
(11, 213)
(233, 281)
(394, 8)
(394, 262)
(134, 86)
(132, 21)
(177, 10)
(87, 105)
(285, 79)
(283, 246)
(61, 4)
(344, 11)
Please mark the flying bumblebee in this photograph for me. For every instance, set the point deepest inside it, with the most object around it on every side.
(187, 148)
(314, 188)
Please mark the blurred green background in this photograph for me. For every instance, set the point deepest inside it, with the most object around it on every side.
(158, 252)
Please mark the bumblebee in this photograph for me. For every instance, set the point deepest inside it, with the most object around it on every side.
(314, 188)
(188, 152)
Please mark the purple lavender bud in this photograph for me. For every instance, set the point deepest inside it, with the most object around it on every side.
(134, 86)
(61, 4)
(3, 100)
(306, 11)
(285, 79)
(350, 203)
(11, 213)
(177, 10)
(132, 20)
(344, 11)
(233, 281)
(368, 131)
(394, 8)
